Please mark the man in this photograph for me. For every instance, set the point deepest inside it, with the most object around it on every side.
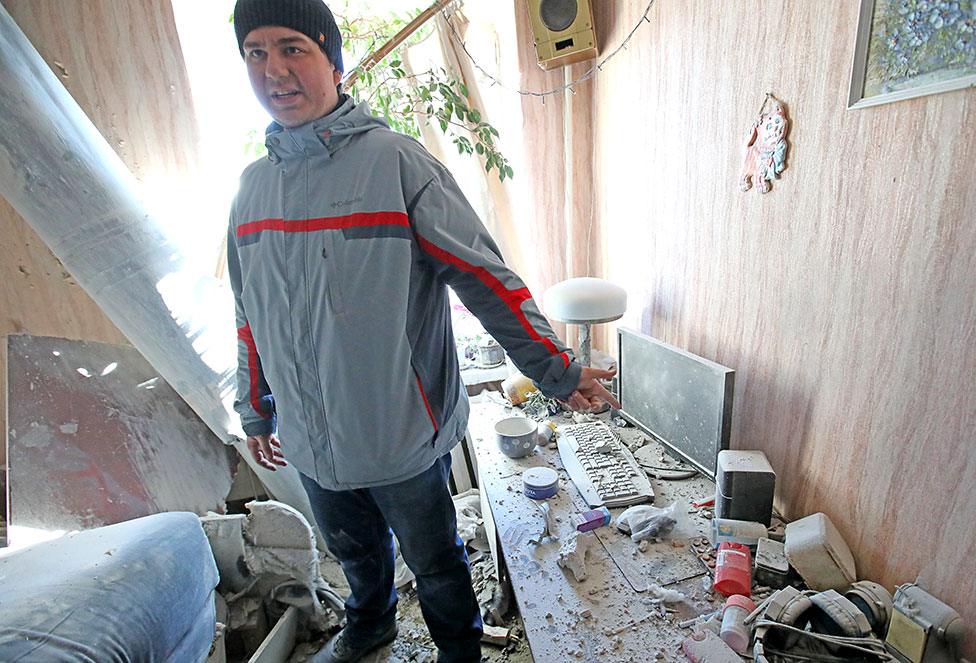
(342, 243)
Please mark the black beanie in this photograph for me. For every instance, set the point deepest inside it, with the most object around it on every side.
(310, 17)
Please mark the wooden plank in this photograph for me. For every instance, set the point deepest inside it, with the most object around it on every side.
(277, 647)
(843, 298)
(460, 479)
(491, 532)
(463, 472)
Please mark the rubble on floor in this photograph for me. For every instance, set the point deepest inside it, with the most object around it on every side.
(267, 561)
(413, 643)
(504, 639)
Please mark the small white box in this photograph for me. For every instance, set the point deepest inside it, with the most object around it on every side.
(819, 553)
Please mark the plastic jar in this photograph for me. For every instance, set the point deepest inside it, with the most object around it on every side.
(540, 483)
(734, 631)
(733, 570)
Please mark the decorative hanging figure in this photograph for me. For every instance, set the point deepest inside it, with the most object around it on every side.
(766, 149)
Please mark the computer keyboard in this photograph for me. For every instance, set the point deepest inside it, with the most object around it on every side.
(603, 469)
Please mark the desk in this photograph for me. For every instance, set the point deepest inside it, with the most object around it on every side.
(567, 620)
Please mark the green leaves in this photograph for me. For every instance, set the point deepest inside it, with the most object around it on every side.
(496, 160)
(404, 100)
(254, 147)
(444, 98)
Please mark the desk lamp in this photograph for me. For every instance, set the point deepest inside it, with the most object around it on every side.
(585, 301)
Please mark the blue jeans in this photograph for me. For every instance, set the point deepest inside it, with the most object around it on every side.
(356, 525)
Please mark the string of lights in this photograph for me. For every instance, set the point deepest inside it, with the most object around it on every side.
(593, 71)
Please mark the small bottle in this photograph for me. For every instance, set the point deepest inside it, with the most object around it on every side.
(734, 631)
(545, 434)
(737, 531)
(733, 570)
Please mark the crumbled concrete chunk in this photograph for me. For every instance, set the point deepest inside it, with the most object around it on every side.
(572, 555)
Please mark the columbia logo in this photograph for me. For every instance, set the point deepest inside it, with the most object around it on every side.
(345, 203)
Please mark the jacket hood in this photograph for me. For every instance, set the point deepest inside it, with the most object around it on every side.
(328, 133)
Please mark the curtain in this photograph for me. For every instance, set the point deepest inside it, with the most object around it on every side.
(543, 218)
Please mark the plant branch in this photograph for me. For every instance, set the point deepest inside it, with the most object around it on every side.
(377, 56)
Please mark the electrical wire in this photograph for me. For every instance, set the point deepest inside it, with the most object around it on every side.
(806, 656)
(669, 474)
(647, 466)
(591, 73)
(863, 645)
(678, 473)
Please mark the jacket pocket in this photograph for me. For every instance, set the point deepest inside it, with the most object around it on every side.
(423, 396)
(329, 257)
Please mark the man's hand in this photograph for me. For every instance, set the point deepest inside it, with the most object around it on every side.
(266, 451)
(590, 394)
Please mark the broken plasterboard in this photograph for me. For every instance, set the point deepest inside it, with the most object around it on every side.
(96, 437)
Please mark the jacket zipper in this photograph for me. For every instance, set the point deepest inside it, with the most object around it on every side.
(312, 339)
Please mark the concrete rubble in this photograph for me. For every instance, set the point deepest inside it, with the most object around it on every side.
(268, 560)
(572, 554)
(279, 541)
(226, 536)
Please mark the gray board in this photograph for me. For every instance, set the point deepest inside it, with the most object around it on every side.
(97, 437)
(682, 399)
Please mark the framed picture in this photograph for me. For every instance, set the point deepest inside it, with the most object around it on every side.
(907, 48)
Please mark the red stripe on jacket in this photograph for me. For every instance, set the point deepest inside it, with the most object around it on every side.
(244, 334)
(512, 298)
(359, 219)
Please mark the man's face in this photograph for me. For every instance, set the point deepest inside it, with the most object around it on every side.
(290, 74)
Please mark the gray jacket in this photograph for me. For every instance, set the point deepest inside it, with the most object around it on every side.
(342, 244)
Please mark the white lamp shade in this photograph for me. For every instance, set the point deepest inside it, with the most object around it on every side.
(585, 299)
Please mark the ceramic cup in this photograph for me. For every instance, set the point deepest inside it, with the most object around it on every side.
(516, 436)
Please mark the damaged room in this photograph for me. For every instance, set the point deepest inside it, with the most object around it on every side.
(455, 331)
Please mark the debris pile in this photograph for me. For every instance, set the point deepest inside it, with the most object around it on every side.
(803, 602)
(774, 592)
(267, 561)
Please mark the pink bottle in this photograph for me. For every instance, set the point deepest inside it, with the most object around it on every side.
(734, 631)
(733, 570)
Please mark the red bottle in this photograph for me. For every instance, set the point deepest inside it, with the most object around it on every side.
(733, 570)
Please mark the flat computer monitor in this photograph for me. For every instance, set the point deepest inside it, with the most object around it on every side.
(683, 400)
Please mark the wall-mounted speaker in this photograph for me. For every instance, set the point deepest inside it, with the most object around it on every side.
(563, 31)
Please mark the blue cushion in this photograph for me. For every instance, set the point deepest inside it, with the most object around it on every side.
(141, 590)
